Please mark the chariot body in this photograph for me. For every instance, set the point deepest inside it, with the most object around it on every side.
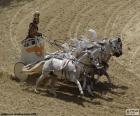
(32, 51)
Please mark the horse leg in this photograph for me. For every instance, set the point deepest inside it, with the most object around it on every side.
(97, 77)
(104, 71)
(40, 79)
(52, 85)
(89, 90)
(79, 86)
(108, 77)
(84, 83)
(73, 78)
(89, 85)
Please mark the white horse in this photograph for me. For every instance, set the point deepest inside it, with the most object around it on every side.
(102, 54)
(52, 69)
(101, 51)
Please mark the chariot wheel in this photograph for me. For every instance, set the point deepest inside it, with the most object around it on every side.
(18, 71)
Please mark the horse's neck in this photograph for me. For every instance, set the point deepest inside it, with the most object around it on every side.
(82, 43)
(77, 53)
(107, 53)
(84, 59)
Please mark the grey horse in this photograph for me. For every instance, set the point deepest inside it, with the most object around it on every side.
(100, 54)
(107, 49)
(53, 67)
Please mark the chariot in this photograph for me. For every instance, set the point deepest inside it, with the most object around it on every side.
(32, 51)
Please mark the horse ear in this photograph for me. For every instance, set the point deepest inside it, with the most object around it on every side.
(110, 42)
(119, 39)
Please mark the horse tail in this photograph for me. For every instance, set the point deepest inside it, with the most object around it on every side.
(35, 69)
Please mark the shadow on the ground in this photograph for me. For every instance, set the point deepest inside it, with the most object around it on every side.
(100, 91)
(5, 3)
(69, 92)
(104, 87)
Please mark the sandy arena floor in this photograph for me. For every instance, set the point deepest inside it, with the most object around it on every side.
(65, 19)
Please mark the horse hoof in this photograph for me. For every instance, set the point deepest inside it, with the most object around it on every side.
(36, 91)
(91, 94)
(22, 84)
(52, 93)
(55, 95)
(82, 95)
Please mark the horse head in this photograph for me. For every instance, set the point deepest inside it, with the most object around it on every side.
(116, 46)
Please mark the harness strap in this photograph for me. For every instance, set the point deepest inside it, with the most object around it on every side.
(66, 63)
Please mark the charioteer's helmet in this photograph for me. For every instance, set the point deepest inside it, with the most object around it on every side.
(36, 16)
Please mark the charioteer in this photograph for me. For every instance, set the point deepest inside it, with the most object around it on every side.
(33, 27)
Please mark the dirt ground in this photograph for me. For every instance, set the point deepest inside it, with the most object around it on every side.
(65, 19)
